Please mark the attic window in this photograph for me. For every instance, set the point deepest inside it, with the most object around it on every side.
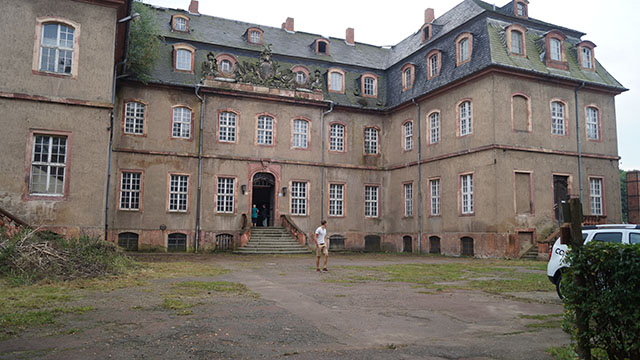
(322, 47)
(408, 76)
(521, 9)
(180, 23)
(254, 36)
(301, 74)
(555, 54)
(226, 64)
(516, 40)
(464, 48)
(369, 85)
(426, 32)
(585, 55)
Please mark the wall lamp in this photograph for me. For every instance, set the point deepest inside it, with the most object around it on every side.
(244, 189)
(284, 191)
(130, 17)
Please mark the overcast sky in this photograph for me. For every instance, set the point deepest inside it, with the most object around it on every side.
(608, 24)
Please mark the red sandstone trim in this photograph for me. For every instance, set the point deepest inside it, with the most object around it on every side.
(428, 127)
(237, 130)
(404, 207)
(55, 100)
(460, 102)
(40, 21)
(523, 32)
(599, 112)
(378, 201)
(438, 53)
(402, 133)
(141, 172)
(26, 194)
(406, 86)
(317, 43)
(531, 193)
(379, 143)
(528, 101)
(344, 137)
(566, 117)
(465, 35)
(303, 69)
(562, 64)
(526, 8)
(344, 199)
(191, 128)
(233, 61)
(375, 85)
(146, 116)
(308, 147)
(274, 130)
(307, 210)
(603, 198)
(169, 191)
(429, 210)
(235, 194)
(254, 29)
(591, 46)
(187, 47)
(473, 193)
(173, 23)
(340, 71)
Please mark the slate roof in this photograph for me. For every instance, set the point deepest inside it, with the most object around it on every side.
(486, 23)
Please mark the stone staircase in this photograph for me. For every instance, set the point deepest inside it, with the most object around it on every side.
(272, 240)
(531, 254)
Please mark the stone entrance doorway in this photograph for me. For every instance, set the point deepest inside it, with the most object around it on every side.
(263, 196)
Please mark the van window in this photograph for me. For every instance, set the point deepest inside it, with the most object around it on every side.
(609, 237)
(634, 238)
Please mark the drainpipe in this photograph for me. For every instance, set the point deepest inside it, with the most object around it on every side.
(323, 167)
(419, 121)
(198, 196)
(575, 92)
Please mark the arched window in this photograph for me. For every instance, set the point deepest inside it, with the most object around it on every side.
(227, 122)
(434, 127)
(128, 241)
(134, 118)
(586, 56)
(336, 137)
(370, 141)
(517, 45)
(183, 57)
(555, 56)
(180, 23)
(433, 64)
(336, 242)
(434, 245)
(57, 48)
(464, 47)
(226, 66)
(407, 76)
(465, 118)
(181, 125)
(322, 47)
(593, 123)
(300, 133)
(407, 242)
(224, 242)
(407, 135)
(265, 130)
(369, 86)
(254, 36)
(558, 118)
(520, 113)
(466, 246)
(336, 81)
(177, 242)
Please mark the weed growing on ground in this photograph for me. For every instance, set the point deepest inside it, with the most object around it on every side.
(197, 288)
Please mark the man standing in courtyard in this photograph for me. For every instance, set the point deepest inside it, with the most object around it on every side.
(322, 247)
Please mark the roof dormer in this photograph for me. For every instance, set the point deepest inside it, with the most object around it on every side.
(180, 23)
(321, 46)
(254, 35)
(426, 31)
(521, 8)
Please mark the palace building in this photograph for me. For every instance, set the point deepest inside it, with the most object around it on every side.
(462, 139)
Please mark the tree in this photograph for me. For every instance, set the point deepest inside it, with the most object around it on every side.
(144, 44)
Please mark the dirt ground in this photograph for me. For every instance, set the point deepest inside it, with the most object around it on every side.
(293, 312)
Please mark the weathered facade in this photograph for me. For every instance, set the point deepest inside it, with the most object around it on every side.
(461, 139)
(56, 103)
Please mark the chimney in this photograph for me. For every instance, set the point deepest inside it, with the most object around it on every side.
(429, 16)
(288, 25)
(193, 7)
(349, 37)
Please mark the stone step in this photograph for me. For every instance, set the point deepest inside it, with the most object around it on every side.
(272, 240)
(263, 252)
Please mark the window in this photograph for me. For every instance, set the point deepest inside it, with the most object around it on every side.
(48, 165)
(178, 192)
(57, 48)
(255, 36)
(463, 48)
(466, 246)
(371, 201)
(557, 118)
(181, 127)
(177, 242)
(300, 133)
(370, 141)
(183, 59)
(586, 58)
(224, 242)
(301, 74)
(322, 47)
(369, 86)
(225, 193)
(336, 81)
(408, 199)
(516, 43)
(466, 191)
(298, 198)
(408, 135)
(555, 49)
(179, 24)
(264, 134)
(434, 128)
(407, 76)
(595, 190)
(593, 126)
(466, 119)
(128, 241)
(336, 137)
(585, 55)
(130, 189)
(301, 78)
(520, 113)
(523, 192)
(433, 64)
(336, 199)
(227, 127)
(434, 245)
(434, 193)
(226, 66)
(134, 115)
(521, 9)
(426, 32)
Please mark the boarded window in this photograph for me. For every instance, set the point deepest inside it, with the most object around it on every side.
(177, 242)
(523, 193)
(372, 243)
(525, 240)
(128, 241)
(224, 242)
(520, 113)
(336, 242)
(466, 246)
(434, 245)
(408, 244)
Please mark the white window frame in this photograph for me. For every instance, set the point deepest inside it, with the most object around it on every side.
(521, 9)
(587, 58)
(301, 78)
(434, 128)
(558, 117)
(407, 132)
(517, 45)
(299, 191)
(130, 190)
(300, 133)
(62, 49)
(466, 118)
(335, 81)
(433, 65)
(371, 196)
(226, 66)
(336, 137)
(225, 195)
(369, 86)
(255, 37)
(47, 162)
(184, 59)
(264, 130)
(464, 49)
(179, 23)
(336, 199)
(555, 49)
(134, 116)
(434, 196)
(178, 193)
(595, 195)
(408, 199)
(181, 124)
(227, 121)
(371, 141)
(407, 78)
(466, 194)
(593, 125)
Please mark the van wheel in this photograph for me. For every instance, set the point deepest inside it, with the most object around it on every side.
(558, 286)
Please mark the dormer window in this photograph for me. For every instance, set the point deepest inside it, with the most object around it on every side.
(226, 64)
(301, 74)
(555, 56)
(426, 32)
(408, 76)
(434, 61)
(336, 81)
(369, 85)
(520, 8)
(586, 56)
(183, 57)
(301, 78)
(322, 47)
(180, 23)
(516, 40)
(555, 49)
(254, 36)
(464, 48)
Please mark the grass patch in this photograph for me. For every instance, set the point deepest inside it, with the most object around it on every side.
(175, 304)
(12, 323)
(541, 317)
(568, 352)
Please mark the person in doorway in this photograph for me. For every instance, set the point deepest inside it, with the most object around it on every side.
(254, 215)
(265, 215)
(322, 247)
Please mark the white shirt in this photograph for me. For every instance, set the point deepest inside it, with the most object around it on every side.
(321, 234)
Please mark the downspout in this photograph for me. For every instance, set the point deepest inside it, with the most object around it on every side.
(322, 158)
(419, 121)
(198, 196)
(575, 92)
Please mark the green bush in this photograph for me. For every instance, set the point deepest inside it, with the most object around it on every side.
(610, 298)
(144, 43)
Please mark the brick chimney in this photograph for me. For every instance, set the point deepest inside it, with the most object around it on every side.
(633, 196)
(429, 16)
(288, 25)
(349, 37)
(193, 7)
